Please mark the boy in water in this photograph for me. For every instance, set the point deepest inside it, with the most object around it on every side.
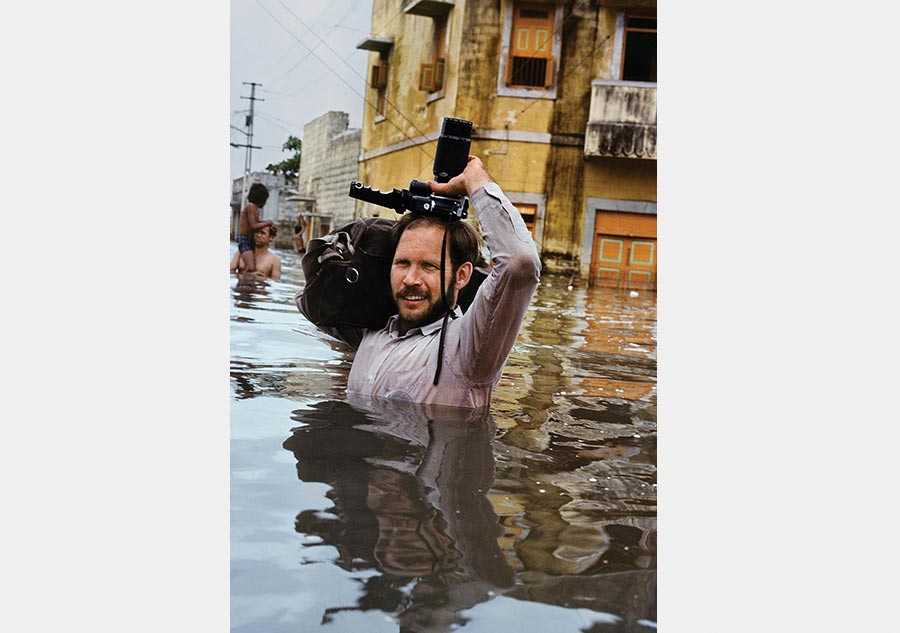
(250, 222)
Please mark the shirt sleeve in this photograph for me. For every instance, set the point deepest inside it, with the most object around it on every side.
(492, 322)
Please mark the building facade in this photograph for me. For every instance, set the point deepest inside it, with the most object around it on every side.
(562, 96)
(327, 165)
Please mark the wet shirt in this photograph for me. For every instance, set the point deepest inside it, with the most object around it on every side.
(388, 365)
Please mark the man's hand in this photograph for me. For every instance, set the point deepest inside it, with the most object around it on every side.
(473, 177)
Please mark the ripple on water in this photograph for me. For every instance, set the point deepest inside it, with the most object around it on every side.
(544, 519)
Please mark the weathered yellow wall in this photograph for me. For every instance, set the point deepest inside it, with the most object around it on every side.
(557, 170)
(408, 114)
(521, 168)
(620, 178)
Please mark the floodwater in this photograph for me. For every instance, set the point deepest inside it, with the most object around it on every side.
(371, 516)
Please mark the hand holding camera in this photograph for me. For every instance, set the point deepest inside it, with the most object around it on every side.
(472, 178)
(450, 161)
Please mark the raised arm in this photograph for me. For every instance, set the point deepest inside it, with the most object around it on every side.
(261, 224)
(493, 320)
(253, 218)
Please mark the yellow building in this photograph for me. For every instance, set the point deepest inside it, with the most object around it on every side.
(562, 96)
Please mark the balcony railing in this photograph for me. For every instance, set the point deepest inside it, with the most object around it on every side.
(622, 121)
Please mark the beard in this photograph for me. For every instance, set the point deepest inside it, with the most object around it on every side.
(434, 311)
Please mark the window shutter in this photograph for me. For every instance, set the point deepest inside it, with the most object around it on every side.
(531, 59)
(379, 76)
(439, 73)
(426, 77)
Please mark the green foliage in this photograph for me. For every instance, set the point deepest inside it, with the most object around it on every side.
(289, 166)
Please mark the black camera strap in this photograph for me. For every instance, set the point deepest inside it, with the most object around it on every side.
(440, 362)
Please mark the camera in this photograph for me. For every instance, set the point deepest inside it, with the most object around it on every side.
(449, 161)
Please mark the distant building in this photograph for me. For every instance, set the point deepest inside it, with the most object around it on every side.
(328, 162)
(563, 100)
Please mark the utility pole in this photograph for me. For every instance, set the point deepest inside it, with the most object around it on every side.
(249, 145)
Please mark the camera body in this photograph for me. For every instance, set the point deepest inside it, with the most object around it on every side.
(449, 161)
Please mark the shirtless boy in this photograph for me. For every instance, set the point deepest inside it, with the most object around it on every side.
(268, 264)
(250, 222)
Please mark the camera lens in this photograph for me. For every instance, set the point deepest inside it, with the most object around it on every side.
(452, 149)
(456, 127)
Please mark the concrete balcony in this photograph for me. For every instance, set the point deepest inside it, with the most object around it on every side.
(431, 8)
(622, 120)
(377, 44)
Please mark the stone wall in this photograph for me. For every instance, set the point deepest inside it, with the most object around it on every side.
(328, 163)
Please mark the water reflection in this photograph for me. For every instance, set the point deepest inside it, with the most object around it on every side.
(540, 515)
(408, 484)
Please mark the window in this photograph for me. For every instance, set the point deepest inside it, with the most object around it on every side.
(531, 61)
(431, 73)
(431, 76)
(640, 48)
(379, 80)
(529, 214)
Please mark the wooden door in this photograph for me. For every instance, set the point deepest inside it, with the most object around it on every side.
(624, 253)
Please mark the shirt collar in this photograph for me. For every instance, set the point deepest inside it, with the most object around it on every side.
(425, 330)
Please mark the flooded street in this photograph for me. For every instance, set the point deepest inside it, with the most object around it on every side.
(373, 516)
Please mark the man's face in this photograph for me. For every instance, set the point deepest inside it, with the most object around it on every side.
(416, 276)
(262, 238)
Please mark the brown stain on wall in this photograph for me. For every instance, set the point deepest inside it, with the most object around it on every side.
(583, 47)
(478, 61)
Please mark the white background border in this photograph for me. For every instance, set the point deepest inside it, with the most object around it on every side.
(115, 127)
(777, 141)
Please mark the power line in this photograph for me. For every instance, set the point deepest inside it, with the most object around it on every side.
(352, 69)
(249, 145)
(557, 30)
(392, 18)
(303, 87)
(302, 59)
(291, 69)
(275, 121)
(567, 72)
(363, 97)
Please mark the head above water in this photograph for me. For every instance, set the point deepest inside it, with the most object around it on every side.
(465, 244)
(258, 194)
(416, 279)
(264, 236)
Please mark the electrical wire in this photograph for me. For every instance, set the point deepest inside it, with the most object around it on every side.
(286, 73)
(303, 88)
(338, 76)
(568, 71)
(271, 120)
(352, 69)
(392, 18)
(557, 30)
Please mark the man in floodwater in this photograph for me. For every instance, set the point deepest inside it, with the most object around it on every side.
(250, 222)
(268, 264)
(400, 360)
